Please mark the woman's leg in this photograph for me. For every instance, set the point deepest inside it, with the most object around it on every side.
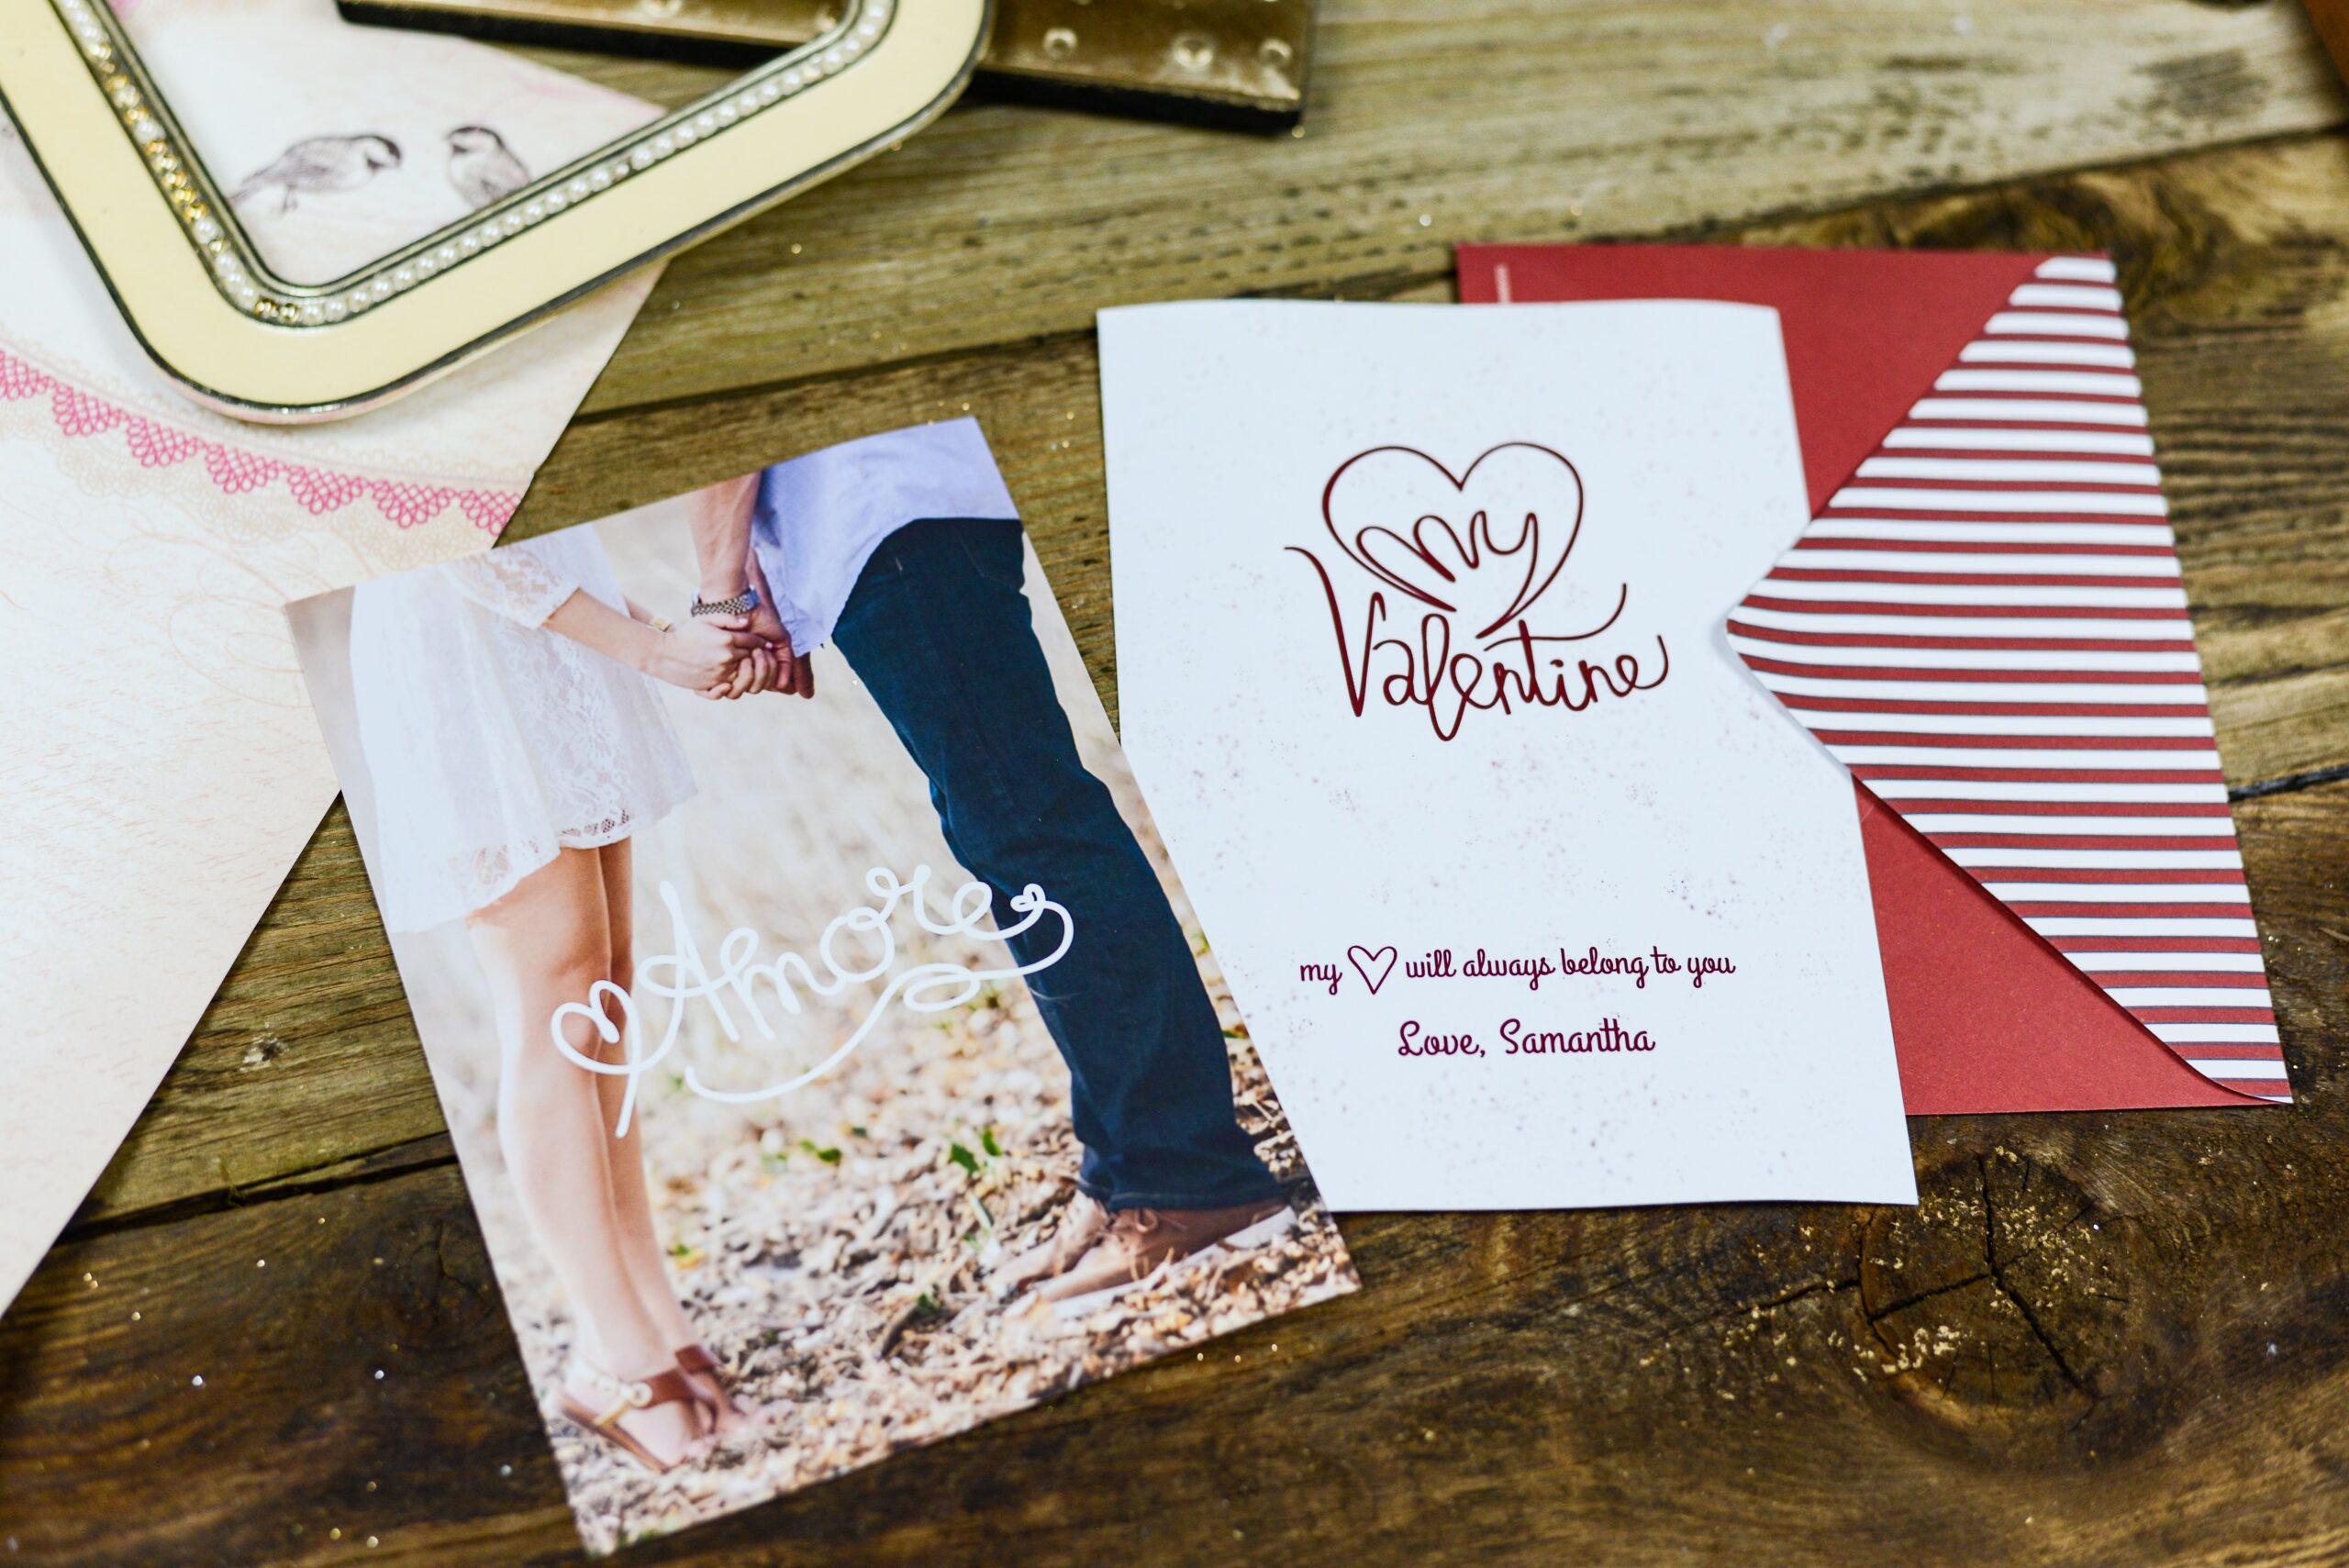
(624, 1157)
(546, 943)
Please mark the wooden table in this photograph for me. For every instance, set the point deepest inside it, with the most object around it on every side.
(2109, 1338)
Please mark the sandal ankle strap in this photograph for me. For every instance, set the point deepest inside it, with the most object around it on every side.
(669, 1386)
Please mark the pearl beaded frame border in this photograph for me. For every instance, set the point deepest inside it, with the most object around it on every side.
(246, 283)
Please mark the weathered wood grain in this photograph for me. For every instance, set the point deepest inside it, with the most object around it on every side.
(2238, 270)
(1439, 120)
(2119, 1338)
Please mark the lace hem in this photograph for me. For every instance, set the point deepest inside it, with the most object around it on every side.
(488, 876)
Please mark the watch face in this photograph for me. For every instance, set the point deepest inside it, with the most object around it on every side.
(245, 331)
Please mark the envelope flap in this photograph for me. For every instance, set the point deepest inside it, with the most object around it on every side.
(1867, 331)
(1988, 1018)
(1987, 625)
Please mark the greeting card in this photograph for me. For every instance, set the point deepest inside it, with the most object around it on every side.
(1986, 622)
(1530, 894)
(164, 769)
(834, 1057)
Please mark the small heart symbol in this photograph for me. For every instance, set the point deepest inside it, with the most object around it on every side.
(1365, 961)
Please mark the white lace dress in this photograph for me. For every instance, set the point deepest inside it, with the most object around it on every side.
(492, 742)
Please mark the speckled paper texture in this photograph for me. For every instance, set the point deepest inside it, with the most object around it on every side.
(1532, 897)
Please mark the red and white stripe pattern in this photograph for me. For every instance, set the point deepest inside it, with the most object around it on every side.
(1987, 626)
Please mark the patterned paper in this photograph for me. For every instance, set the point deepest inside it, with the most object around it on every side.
(1987, 625)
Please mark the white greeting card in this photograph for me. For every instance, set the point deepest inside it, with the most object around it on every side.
(1530, 894)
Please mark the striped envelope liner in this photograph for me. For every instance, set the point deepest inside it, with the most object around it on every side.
(1986, 624)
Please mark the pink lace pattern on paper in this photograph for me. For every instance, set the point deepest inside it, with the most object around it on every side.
(403, 503)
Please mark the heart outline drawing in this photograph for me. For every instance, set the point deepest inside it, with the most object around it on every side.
(1431, 561)
(1361, 958)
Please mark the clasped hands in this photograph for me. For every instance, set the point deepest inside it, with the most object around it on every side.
(725, 657)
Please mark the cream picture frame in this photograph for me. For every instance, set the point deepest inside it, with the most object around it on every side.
(240, 339)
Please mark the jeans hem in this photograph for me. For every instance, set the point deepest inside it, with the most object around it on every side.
(1115, 1200)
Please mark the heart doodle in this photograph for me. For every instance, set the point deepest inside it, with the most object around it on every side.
(1364, 960)
(1484, 543)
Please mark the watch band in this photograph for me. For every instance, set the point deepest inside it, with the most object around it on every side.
(741, 604)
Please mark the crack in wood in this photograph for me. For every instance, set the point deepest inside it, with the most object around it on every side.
(2007, 1288)
(362, 1168)
(1748, 1310)
(2290, 782)
(1876, 1315)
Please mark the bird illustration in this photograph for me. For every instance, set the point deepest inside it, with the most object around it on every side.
(482, 167)
(317, 164)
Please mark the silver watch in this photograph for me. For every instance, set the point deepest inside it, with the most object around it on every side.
(741, 604)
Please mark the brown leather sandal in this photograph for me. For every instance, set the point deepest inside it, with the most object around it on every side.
(697, 1362)
(627, 1396)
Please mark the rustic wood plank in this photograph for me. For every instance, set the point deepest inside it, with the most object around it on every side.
(1432, 123)
(306, 1062)
(2110, 1338)
(2238, 268)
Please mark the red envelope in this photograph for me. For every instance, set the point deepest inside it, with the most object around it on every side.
(1985, 623)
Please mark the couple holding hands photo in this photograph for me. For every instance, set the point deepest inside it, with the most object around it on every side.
(516, 740)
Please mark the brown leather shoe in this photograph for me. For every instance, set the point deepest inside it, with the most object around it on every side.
(1142, 1244)
(1082, 1223)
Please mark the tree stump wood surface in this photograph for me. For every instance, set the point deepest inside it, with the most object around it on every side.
(2101, 1338)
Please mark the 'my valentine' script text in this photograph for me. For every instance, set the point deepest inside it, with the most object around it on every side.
(1474, 553)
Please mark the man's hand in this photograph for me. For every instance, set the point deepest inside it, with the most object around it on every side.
(791, 672)
(720, 517)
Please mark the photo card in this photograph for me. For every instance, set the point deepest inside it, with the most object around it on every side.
(831, 1053)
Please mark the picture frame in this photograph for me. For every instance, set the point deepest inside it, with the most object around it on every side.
(1234, 64)
(244, 341)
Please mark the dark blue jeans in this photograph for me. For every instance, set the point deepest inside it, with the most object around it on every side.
(938, 630)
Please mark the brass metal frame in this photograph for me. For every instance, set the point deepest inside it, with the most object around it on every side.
(1240, 64)
(238, 338)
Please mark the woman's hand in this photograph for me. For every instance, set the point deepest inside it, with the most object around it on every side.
(702, 655)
